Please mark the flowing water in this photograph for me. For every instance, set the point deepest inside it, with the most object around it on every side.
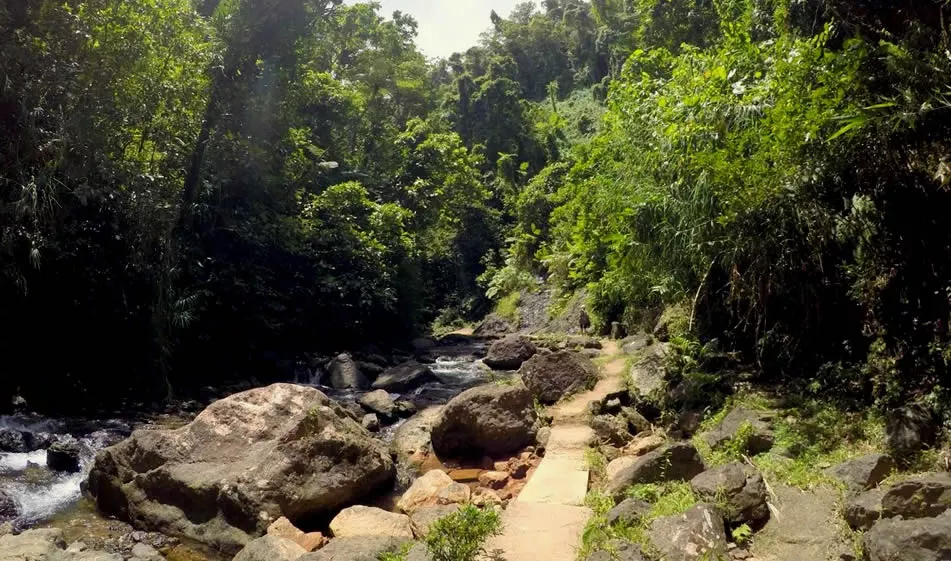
(39, 491)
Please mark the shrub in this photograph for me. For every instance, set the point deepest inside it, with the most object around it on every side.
(461, 536)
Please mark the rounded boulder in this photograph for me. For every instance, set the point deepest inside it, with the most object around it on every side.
(490, 420)
(550, 377)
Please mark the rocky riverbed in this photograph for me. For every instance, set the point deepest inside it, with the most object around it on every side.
(366, 398)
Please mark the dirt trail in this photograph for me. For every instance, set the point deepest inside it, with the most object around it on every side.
(547, 518)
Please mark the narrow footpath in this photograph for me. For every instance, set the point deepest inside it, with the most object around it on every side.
(546, 520)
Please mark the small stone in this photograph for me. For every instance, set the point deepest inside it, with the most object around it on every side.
(483, 497)
(79, 547)
(612, 405)
(908, 429)
(543, 435)
(760, 441)
(611, 430)
(379, 402)
(494, 479)
(371, 422)
(644, 444)
(457, 493)
(283, 528)
(146, 552)
(424, 491)
(465, 475)
(370, 521)
(610, 452)
(519, 469)
(628, 511)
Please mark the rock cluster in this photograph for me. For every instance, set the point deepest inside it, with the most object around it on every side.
(911, 520)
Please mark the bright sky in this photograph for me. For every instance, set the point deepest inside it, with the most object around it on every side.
(448, 26)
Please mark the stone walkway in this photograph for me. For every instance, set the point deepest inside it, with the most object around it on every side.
(546, 520)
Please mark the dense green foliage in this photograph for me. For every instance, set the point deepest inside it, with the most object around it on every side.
(194, 191)
(781, 167)
(198, 190)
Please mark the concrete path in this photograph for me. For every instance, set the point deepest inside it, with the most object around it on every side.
(546, 520)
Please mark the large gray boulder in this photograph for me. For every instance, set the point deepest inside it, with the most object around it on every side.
(405, 377)
(696, 535)
(675, 462)
(738, 491)
(270, 548)
(920, 497)
(649, 372)
(908, 429)
(552, 376)
(489, 420)
(245, 461)
(358, 548)
(344, 374)
(866, 472)
(762, 437)
(863, 511)
(924, 539)
(510, 352)
(493, 326)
